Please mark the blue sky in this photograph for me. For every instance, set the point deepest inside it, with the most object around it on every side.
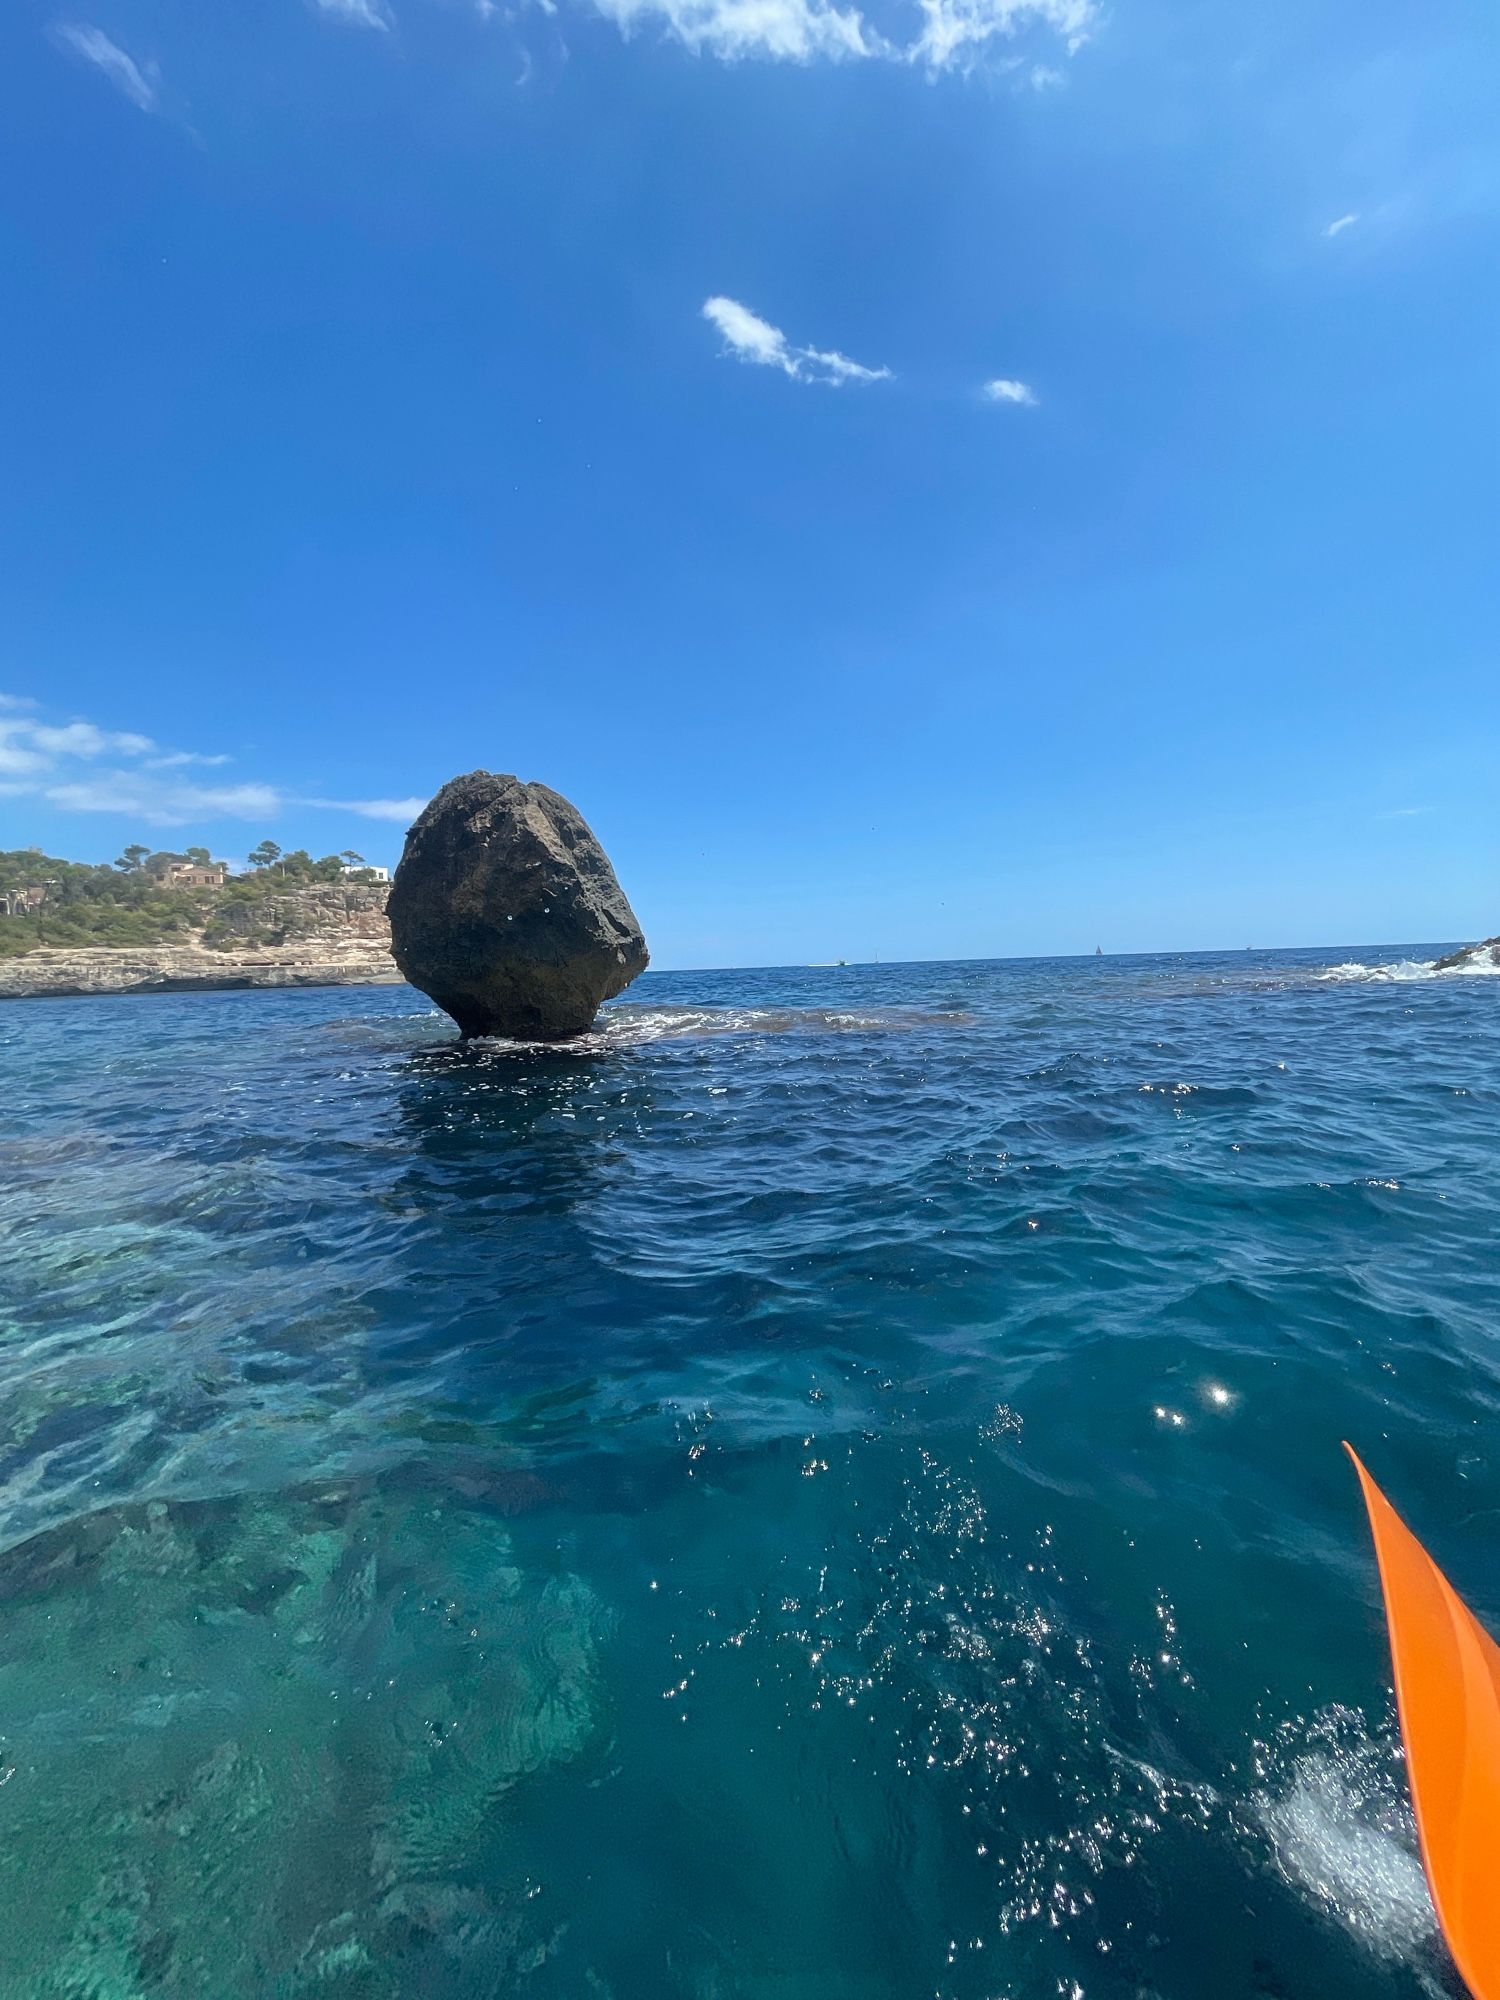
(962, 480)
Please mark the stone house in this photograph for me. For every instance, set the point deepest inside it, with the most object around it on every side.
(21, 902)
(189, 875)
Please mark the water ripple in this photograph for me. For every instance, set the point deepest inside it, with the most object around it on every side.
(827, 1485)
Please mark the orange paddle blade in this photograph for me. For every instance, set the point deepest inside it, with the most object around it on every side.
(1447, 1672)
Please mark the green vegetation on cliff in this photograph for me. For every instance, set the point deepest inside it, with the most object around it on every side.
(88, 904)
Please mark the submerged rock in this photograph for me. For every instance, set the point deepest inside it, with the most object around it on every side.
(1472, 958)
(314, 1703)
(506, 912)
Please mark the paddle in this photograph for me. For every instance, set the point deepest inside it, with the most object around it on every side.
(1447, 1672)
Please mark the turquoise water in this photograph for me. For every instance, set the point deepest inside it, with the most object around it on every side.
(829, 1489)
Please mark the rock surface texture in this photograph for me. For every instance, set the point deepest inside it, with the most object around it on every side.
(506, 912)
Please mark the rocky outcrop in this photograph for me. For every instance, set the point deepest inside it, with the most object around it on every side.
(1483, 957)
(506, 912)
(335, 911)
(189, 968)
(326, 936)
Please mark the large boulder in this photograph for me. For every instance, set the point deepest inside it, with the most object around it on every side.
(506, 912)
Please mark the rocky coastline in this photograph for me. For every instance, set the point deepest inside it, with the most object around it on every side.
(311, 937)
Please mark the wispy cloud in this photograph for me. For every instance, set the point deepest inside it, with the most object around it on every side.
(75, 766)
(954, 33)
(135, 795)
(401, 811)
(358, 13)
(1338, 227)
(17, 759)
(175, 760)
(957, 33)
(83, 739)
(139, 84)
(1404, 812)
(748, 337)
(1006, 389)
(783, 30)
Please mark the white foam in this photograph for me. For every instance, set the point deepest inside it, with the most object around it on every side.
(631, 1024)
(1342, 1834)
(637, 1023)
(1410, 970)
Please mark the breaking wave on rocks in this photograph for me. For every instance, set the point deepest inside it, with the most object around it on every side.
(1410, 971)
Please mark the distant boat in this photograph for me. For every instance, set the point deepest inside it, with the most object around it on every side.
(1098, 951)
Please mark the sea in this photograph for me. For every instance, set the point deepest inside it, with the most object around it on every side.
(828, 1488)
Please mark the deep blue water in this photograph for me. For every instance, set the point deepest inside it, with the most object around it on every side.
(829, 1490)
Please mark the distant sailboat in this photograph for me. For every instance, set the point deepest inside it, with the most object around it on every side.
(1098, 951)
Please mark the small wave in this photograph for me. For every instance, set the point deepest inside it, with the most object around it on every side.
(639, 1023)
(1334, 1807)
(1205, 1093)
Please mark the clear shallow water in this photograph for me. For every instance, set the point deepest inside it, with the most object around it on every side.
(829, 1488)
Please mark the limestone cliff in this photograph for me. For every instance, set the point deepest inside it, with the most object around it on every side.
(332, 935)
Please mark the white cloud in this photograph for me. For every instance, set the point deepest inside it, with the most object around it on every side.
(402, 811)
(956, 33)
(750, 338)
(1344, 222)
(783, 30)
(82, 739)
(358, 13)
(136, 796)
(16, 759)
(76, 766)
(834, 368)
(127, 76)
(139, 795)
(1005, 389)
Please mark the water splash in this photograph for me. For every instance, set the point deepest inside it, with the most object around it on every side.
(1331, 1798)
(1408, 972)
